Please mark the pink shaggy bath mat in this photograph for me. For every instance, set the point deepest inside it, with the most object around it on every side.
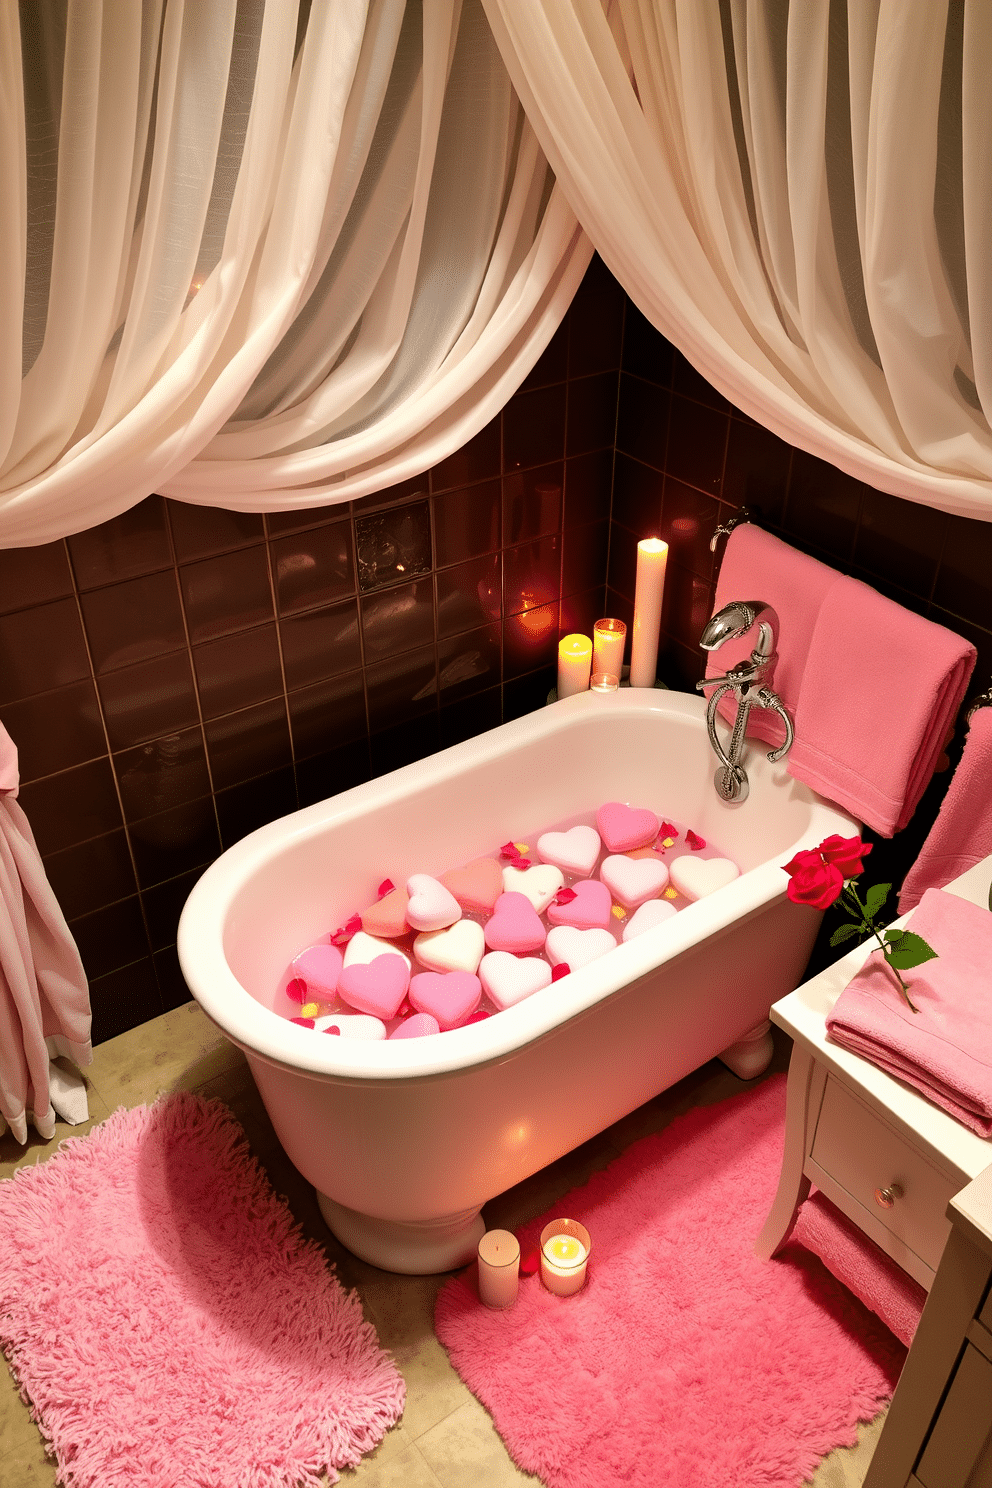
(168, 1324)
(684, 1359)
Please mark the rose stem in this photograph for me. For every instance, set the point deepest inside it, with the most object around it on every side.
(870, 923)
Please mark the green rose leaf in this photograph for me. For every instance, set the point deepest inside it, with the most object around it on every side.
(910, 950)
(876, 897)
(843, 932)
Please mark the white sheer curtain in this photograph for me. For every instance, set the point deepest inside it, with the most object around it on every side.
(259, 254)
(799, 197)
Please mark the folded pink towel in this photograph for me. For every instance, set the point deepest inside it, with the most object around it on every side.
(759, 566)
(962, 834)
(861, 1265)
(945, 1050)
(8, 764)
(880, 690)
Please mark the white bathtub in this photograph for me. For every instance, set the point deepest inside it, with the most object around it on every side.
(405, 1141)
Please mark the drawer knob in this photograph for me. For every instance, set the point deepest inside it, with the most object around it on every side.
(886, 1197)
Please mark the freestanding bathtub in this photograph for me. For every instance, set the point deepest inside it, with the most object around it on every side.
(405, 1141)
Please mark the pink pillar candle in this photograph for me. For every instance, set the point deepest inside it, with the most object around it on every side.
(574, 665)
(608, 638)
(652, 557)
(565, 1247)
(499, 1268)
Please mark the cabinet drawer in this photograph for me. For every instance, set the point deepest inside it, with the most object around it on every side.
(861, 1152)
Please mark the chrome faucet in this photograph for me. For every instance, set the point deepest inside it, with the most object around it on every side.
(750, 681)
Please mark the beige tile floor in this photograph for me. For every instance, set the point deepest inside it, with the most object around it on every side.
(445, 1438)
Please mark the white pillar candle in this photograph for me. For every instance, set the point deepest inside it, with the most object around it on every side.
(652, 557)
(499, 1268)
(608, 638)
(574, 664)
(565, 1247)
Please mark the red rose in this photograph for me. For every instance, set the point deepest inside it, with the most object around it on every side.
(845, 853)
(812, 881)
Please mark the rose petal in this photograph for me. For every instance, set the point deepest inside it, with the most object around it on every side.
(667, 830)
(303, 1022)
(561, 970)
(353, 925)
(333, 1030)
(694, 842)
(565, 896)
(386, 887)
(530, 1262)
(476, 1017)
(296, 990)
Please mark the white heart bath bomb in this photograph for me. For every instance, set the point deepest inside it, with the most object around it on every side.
(655, 912)
(539, 884)
(633, 880)
(431, 906)
(362, 948)
(459, 948)
(353, 1026)
(697, 877)
(574, 851)
(508, 979)
(577, 947)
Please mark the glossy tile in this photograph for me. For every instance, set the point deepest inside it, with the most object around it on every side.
(92, 873)
(313, 568)
(173, 841)
(532, 502)
(235, 671)
(172, 988)
(148, 701)
(552, 364)
(531, 575)
(642, 421)
(242, 808)
(72, 806)
(224, 594)
(55, 730)
(592, 413)
(397, 619)
(473, 715)
(584, 557)
(398, 495)
(32, 576)
(903, 538)
(596, 318)
(579, 612)
(111, 937)
(622, 570)
(529, 691)
(401, 689)
(534, 428)
(334, 770)
(962, 583)
(697, 444)
(393, 545)
(637, 495)
(530, 641)
(162, 773)
(478, 460)
(251, 742)
(467, 522)
(320, 643)
(136, 542)
(588, 487)
(757, 471)
(134, 621)
(41, 648)
(468, 663)
(689, 519)
(690, 384)
(163, 905)
(468, 594)
(204, 531)
(823, 507)
(646, 353)
(124, 998)
(403, 744)
(328, 715)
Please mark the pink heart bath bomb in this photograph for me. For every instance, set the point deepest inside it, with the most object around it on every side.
(633, 881)
(387, 917)
(623, 827)
(509, 979)
(320, 967)
(376, 987)
(450, 997)
(589, 910)
(476, 885)
(419, 1026)
(515, 925)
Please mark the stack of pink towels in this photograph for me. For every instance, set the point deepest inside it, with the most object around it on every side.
(872, 688)
(944, 1050)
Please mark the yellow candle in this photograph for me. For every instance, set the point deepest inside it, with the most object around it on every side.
(565, 1247)
(574, 664)
(608, 638)
(565, 1250)
(652, 558)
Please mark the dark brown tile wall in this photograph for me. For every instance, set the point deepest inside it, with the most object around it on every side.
(180, 675)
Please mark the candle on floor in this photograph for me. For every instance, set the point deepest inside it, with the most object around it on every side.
(499, 1268)
(565, 1247)
(652, 557)
(608, 638)
(574, 664)
(604, 682)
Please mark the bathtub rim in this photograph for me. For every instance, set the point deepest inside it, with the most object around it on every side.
(253, 1027)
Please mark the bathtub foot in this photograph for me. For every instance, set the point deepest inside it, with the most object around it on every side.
(420, 1249)
(752, 1054)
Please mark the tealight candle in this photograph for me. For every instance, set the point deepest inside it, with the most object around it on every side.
(499, 1268)
(608, 638)
(565, 1247)
(649, 587)
(603, 682)
(574, 665)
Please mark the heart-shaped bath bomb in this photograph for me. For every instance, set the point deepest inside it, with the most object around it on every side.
(509, 979)
(633, 881)
(578, 947)
(450, 996)
(515, 925)
(388, 917)
(352, 1025)
(589, 910)
(320, 967)
(459, 948)
(623, 827)
(697, 877)
(362, 948)
(654, 912)
(574, 851)
(431, 906)
(376, 987)
(419, 1026)
(476, 885)
(539, 884)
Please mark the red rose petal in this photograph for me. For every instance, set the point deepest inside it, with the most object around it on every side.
(296, 990)
(530, 1262)
(303, 1022)
(561, 970)
(353, 925)
(333, 1030)
(476, 1018)
(386, 887)
(404, 1010)
(667, 830)
(565, 896)
(340, 937)
(695, 842)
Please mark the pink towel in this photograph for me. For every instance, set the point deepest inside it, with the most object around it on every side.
(8, 764)
(945, 1050)
(962, 834)
(759, 566)
(881, 688)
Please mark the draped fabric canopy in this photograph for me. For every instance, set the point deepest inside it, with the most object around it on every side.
(800, 198)
(259, 255)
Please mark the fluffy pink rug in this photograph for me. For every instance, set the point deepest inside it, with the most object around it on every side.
(685, 1359)
(168, 1324)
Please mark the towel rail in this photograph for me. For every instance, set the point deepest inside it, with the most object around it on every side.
(983, 700)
